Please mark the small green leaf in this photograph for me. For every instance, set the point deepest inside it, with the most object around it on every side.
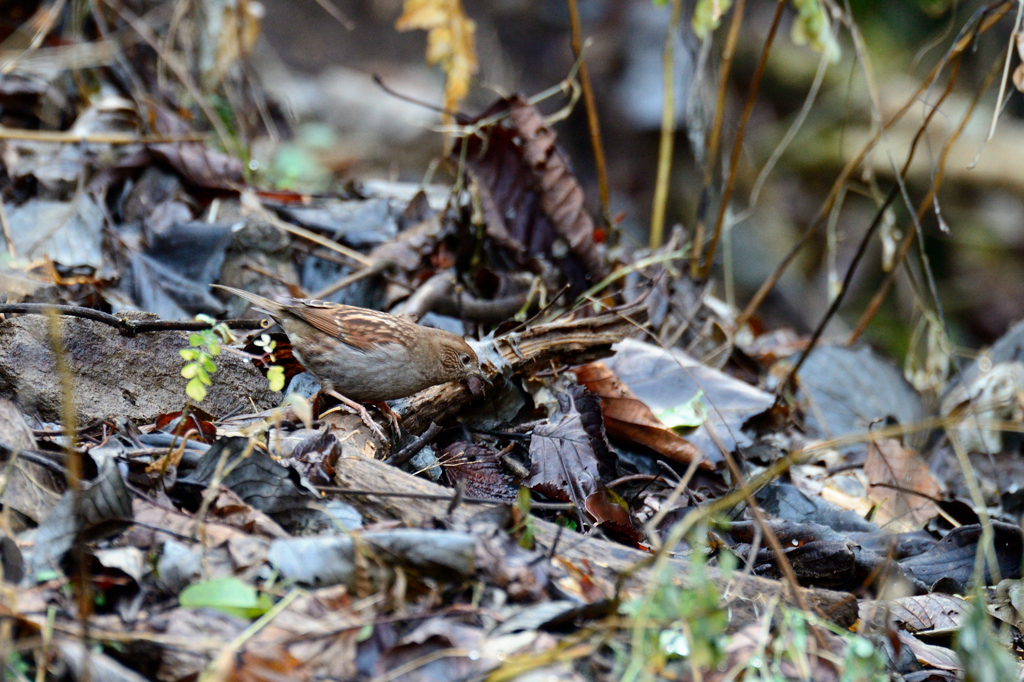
(194, 389)
(707, 15)
(214, 348)
(202, 375)
(206, 318)
(689, 415)
(209, 366)
(275, 375)
(188, 353)
(46, 575)
(229, 595)
(189, 370)
(196, 340)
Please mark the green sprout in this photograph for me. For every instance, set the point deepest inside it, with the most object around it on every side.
(205, 345)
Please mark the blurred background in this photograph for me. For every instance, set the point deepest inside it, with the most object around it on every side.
(322, 72)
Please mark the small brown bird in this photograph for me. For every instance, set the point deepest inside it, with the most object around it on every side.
(365, 355)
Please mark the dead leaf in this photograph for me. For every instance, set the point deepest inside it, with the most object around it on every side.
(895, 474)
(531, 201)
(563, 464)
(200, 166)
(267, 664)
(928, 613)
(481, 470)
(450, 43)
(567, 460)
(627, 418)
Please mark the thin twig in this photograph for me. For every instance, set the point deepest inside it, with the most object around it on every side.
(414, 447)
(5, 228)
(70, 137)
(832, 309)
(558, 506)
(179, 69)
(909, 237)
(336, 14)
(781, 560)
(81, 582)
(125, 327)
(592, 120)
(252, 202)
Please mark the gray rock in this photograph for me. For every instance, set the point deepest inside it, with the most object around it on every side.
(114, 375)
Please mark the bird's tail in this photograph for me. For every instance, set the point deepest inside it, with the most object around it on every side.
(272, 307)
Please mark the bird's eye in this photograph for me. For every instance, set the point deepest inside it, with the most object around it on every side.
(466, 359)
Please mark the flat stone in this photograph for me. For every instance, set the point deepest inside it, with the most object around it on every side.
(113, 375)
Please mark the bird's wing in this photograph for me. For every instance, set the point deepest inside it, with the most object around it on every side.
(357, 327)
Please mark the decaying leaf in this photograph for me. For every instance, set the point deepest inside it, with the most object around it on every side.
(481, 471)
(568, 460)
(531, 201)
(450, 43)
(928, 613)
(200, 166)
(899, 481)
(630, 420)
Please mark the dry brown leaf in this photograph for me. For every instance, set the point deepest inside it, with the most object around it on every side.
(899, 481)
(450, 43)
(532, 204)
(628, 418)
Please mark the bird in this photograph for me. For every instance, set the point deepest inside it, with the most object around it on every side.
(367, 356)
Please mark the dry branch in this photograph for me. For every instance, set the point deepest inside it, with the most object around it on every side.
(571, 342)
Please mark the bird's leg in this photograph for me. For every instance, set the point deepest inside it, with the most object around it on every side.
(391, 415)
(363, 414)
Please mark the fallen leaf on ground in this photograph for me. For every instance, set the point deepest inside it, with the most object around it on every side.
(628, 418)
(899, 481)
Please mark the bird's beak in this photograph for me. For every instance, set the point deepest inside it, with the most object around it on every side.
(476, 381)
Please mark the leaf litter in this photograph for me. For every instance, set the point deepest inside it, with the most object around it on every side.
(238, 533)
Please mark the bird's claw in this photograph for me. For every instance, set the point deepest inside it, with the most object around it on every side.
(364, 415)
(393, 419)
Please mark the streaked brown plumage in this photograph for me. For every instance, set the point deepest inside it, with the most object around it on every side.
(366, 355)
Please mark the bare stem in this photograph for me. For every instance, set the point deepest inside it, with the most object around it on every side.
(668, 128)
(592, 120)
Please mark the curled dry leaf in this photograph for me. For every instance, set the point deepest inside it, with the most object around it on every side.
(899, 481)
(628, 419)
(531, 201)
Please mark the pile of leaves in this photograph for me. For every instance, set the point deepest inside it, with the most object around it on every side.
(646, 489)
